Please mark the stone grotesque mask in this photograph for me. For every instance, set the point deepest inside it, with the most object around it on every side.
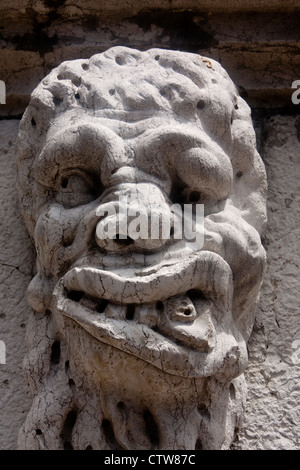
(139, 342)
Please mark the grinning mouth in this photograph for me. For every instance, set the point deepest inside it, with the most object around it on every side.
(168, 318)
(184, 319)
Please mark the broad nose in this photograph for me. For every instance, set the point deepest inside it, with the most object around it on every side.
(134, 217)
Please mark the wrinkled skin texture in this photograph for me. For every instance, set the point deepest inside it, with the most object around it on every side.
(142, 324)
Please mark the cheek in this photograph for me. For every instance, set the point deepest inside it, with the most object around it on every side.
(55, 230)
(238, 243)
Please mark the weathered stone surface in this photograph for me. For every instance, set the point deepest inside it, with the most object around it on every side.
(16, 262)
(127, 327)
(272, 412)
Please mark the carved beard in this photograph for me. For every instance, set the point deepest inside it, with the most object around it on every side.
(136, 341)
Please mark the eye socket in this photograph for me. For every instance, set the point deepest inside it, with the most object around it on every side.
(75, 188)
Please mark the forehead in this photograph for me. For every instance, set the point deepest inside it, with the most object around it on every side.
(129, 91)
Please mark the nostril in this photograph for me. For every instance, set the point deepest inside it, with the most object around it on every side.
(194, 196)
(64, 182)
(123, 239)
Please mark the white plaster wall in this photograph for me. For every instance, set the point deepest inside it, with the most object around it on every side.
(273, 415)
(16, 263)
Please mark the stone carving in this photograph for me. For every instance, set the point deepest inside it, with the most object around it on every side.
(139, 343)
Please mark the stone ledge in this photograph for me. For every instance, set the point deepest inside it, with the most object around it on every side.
(259, 50)
(113, 8)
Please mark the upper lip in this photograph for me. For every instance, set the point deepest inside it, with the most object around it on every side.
(205, 271)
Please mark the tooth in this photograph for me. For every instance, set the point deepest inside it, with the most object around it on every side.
(147, 315)
(118, 312)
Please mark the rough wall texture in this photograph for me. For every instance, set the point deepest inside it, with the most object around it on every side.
(259, 48)
(273, 417)
(16, 262)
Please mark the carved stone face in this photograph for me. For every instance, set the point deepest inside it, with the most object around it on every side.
(157, 128)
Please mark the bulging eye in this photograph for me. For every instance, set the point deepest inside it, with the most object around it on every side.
(76, 188)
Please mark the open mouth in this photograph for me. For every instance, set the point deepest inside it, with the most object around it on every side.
(166, 318)
(184, 319)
